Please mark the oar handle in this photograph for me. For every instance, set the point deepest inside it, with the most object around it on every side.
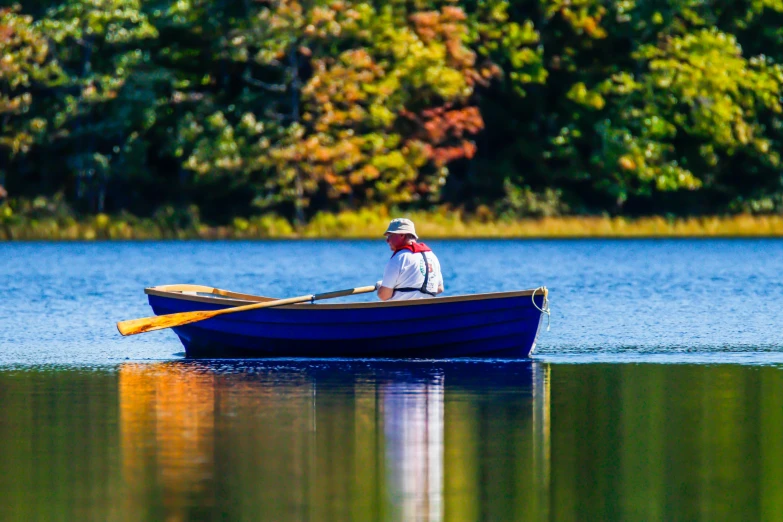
(342, 293)
(296, 300)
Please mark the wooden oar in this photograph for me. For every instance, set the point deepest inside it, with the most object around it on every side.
(158, 322)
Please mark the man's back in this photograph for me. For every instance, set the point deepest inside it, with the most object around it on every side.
(406, 272)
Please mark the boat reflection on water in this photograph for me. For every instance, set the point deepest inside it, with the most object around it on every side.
(336, 440)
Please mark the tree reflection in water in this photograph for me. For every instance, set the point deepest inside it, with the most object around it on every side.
(325, 440)
(358, 440)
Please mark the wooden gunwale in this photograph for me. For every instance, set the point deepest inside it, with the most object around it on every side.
(236, 299)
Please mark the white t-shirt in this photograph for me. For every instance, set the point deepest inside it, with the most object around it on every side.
(406, 270)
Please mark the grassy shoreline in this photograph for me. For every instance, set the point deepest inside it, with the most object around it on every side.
(370, 224)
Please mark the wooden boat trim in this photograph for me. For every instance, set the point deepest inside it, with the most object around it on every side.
(177, 289)
(237, 299)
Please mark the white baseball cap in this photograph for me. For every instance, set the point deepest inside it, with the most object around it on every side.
(401, 226)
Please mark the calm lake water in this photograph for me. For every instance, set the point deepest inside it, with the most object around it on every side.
(656, 395)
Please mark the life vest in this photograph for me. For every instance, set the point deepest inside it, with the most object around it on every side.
(415, 248)
(418, 248)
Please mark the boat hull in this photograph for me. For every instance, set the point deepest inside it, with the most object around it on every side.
(440, 328)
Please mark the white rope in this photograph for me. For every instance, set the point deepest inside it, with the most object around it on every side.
(545, 309)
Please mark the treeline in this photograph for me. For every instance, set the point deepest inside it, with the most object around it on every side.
(523, 108)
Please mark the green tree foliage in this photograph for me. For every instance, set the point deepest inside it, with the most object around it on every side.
(212, 126)
(100, 116)
(697, 91)
(27, 70)
(530, 107)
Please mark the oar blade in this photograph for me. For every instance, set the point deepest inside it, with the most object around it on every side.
(159, 322)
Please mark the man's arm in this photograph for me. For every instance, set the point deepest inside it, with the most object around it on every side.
(384, 293)
(390, 273)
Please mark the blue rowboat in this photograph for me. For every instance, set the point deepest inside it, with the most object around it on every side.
(495, 324)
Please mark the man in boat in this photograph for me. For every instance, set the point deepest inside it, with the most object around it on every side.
(413, 272)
